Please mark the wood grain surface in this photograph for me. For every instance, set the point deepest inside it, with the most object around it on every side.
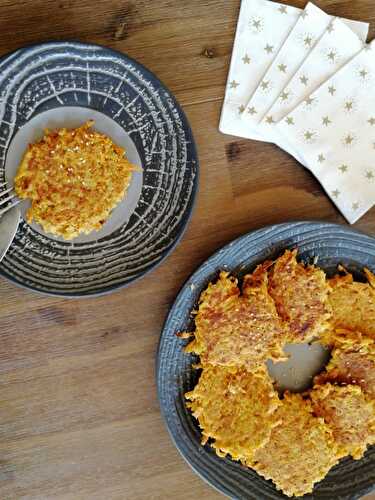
(79, 416)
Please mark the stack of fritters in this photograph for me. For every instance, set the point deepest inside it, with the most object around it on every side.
(294, 439)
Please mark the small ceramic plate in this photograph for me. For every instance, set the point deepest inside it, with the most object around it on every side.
(332, 245)
(64, 84)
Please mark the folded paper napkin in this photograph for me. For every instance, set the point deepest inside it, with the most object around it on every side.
(262, 28)
(335, 127)
(310, 26)
(281, 56)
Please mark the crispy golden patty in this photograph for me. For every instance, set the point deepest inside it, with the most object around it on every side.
(349, 414)
(74, 179)
(238, 330)
(300, 451)
(235, 408)
(353, 303)
(300, 294)
(352, 362)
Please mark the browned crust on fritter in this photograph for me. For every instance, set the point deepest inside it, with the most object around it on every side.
(300, 294)
(238, 330)
(349, 414)
(353, 303)
(235, 409)
(300, 450)
(351, 363)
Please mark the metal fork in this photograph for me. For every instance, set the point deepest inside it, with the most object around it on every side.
(8, 199)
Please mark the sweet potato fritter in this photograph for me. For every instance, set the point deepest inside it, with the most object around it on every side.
(235, 330)
(74, 179)
(353, 303)
(300, 451)
(300, 294)
(235, 408)
(352, 362)
(349, 414)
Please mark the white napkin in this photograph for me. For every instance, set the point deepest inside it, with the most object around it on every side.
(307, 31)
(336, 47)
(335, 129)
(262, 28)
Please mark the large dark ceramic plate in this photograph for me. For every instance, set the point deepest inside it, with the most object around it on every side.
(333, 245)
(63, 83)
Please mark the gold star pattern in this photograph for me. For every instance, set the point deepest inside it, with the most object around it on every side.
(265, 85)
(269, 120)
(321, 158)
(308, 135)
(282, 9)
(289, 120)
(363, 73)
(331, 56)
(304, 80)
(284, 96)
(348, 139)
(331, 28)
(268, 48)
(343, 168)
(355, 206)
(282, 68)
(241, 109)
(370, 175)
(257, 24)
(336, 193)
(246, 59)
(308, 41)
(309, 101)
(326, 121)
(371, 121)
(304, 14)
(331, 90)
(252, 111)
(233, 84)
(349, 106)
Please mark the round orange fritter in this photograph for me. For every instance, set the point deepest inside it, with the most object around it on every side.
(353, 303)
(234, 330)
(352, 362)
(300, 451)
(235, 409)
(300, 294)
(74, 179)
(349, 414)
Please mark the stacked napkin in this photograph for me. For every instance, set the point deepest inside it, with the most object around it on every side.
(303, 80)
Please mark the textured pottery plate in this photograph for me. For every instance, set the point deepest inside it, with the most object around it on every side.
(332, 245)
(65, 84)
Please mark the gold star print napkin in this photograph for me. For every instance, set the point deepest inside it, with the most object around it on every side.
(307, 31)
(334, 128)
(336, 47)
(262, 28)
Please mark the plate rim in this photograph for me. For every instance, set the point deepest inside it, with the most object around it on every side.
(169, 317)
(193, 199)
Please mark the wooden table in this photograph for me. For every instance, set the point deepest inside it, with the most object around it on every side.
(79, 416)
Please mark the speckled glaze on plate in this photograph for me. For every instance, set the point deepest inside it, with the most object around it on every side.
(333, 245)
(49, 76)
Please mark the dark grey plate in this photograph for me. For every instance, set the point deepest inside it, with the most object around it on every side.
(333, 245)
(57, 75)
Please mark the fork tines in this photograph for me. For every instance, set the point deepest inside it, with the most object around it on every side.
(6, 198)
